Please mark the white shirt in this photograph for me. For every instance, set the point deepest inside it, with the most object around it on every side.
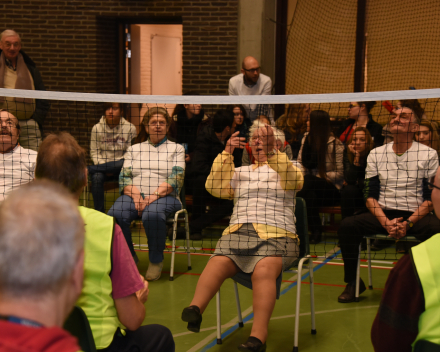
(262, 87)
(16, 168)
(150, 166)
(259, 198)
(401, 177)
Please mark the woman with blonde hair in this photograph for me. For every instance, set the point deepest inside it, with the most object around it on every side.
(294, 124)
(428, 135)
(150, 182)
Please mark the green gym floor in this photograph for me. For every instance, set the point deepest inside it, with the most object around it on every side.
(340, 327)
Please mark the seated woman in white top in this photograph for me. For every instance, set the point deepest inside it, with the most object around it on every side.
(150, 181)
(261, 238)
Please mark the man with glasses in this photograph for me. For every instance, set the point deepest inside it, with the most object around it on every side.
(251, 82)
(397, 195)
(18, 71)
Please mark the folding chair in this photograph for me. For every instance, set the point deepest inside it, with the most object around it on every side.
(370, 278)
(78, 325)
(245, 279)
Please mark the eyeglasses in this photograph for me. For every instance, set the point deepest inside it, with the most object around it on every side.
(9, 44)
(353, 106)
(155, 123)
(253, 69)
(433, 185)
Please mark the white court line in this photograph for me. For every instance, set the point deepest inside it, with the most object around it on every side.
(233, 322)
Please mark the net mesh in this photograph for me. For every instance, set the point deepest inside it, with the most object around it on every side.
(260, 195)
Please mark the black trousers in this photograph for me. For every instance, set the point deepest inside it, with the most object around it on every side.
(355, 227)
(352, 200)
(317, 193)
(148, 338)
(219, 208)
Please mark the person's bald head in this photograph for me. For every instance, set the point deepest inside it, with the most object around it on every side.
(61, 159)
(250, 68)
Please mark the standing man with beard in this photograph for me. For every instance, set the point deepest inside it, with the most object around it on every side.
(251, 82)
(17, 164)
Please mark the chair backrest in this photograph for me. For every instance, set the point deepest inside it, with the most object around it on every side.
(302, 229)
(78, 325)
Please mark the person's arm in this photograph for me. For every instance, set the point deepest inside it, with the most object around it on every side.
(231, 88)
(291, 177)
(94, 148)
(352, 172)
(267, 88)
(218, 182)
(131, 309)
(337, 176)
(42, 106)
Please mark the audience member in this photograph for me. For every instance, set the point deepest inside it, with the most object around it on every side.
(396, 192)
(110, 138)
(17, 164)
(261, 238)
(294, 124)
(210, 142)
(241, 124)
(150, 184)
(280, 145)
(359, 116)
(428, 136)
(409, 307)
(321, 156)
(355, 161)
(18, 71)
(114, 293)
(40, 280)
(251, 82)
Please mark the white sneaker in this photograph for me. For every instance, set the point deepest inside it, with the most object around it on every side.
(154, 271)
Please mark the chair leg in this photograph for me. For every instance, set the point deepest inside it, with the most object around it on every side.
(358, 275)
(370, 276)
(219, 320)
(298, 302)
(173, 248)
(187, 239)
(312, 296)
(237, 300)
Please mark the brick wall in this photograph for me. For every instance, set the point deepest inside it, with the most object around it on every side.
(74, 45)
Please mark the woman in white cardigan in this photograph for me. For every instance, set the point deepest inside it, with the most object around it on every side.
(261, 238)
(150, 181)
(321, 156)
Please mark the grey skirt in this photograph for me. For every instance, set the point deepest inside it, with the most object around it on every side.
(245, 248)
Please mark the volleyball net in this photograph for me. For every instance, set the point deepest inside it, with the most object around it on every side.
(128, 159)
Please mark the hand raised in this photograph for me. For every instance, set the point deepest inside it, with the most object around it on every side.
(235, 142)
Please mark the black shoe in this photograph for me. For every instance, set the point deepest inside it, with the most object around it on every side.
(180, 233)
(315, 237)
(350, 292)
(193, 317)
(253, 344)
(196, 236)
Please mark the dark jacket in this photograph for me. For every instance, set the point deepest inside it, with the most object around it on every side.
(354, 175)
(373, 127)
(41, 106)
(208, 146)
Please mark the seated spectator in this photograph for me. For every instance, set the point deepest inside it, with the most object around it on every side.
(110, 138)
(355, 162)
(428, 136)
(411, 291)
(242, 125)
(150, 184)
(187, 122)
(359, 116)
(210, 142)
(321, 156)
(17, 164)
(114, 293)
(396, 192)
(280, 145)
(41, 267)
(294, 124)
(261, 238)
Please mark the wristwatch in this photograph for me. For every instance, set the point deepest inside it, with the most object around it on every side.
(157, 194)
(409, 224)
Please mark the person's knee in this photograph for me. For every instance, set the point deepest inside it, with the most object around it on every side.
(97, 177)
(267, 269)
(153, 216)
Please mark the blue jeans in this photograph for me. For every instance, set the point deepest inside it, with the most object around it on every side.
(99, 174)
(154, 219)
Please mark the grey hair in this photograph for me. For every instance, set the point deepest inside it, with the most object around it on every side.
(10, 33)
(257, 124)
(41, 237)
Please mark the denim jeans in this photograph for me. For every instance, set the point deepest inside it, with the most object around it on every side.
(154, 219)
(99, 174)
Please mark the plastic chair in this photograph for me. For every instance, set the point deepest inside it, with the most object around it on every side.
(370, 278)
(304, 255)
(78, 325)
